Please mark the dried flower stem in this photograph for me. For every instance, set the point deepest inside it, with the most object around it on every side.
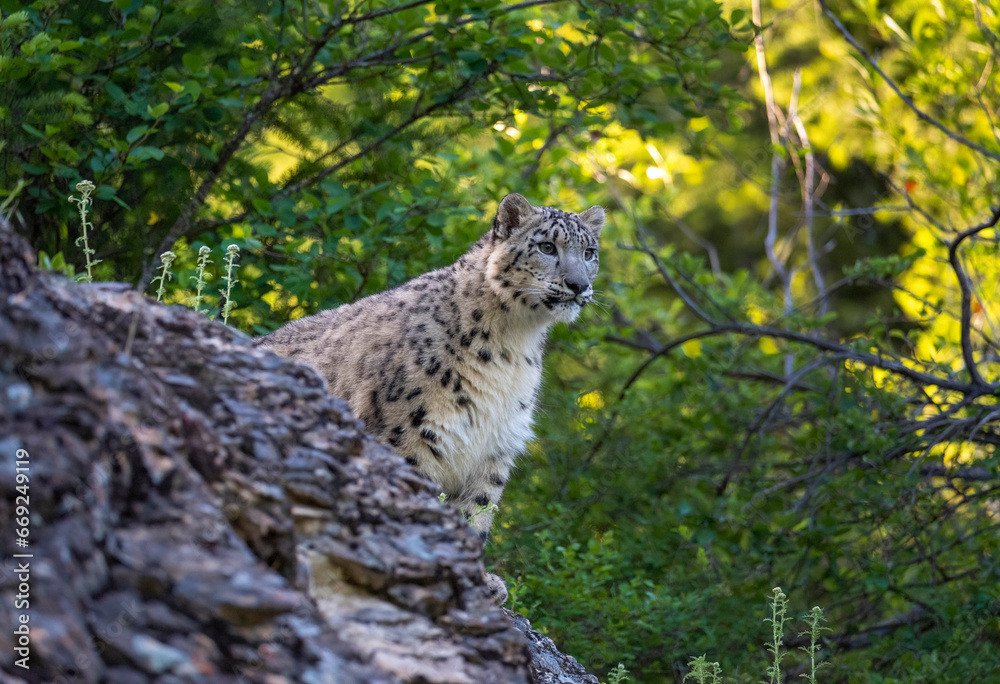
(203, 262)
(83, 203)
(232, 252)
(166, 259)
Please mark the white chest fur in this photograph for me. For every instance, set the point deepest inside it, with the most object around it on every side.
(487, 433)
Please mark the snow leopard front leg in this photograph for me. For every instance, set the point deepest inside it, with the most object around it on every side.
(479, 507)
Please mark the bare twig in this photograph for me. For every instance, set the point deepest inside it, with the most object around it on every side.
(868, 358)
(302, 77)
(808, 203)
(921, 114)
(777, 159)
(690, 234)
(668, 276)
(966, 289)
(553, 137)
(861, 211)
(765, 417)
(914, 206)
(777, 169)
(661, 350)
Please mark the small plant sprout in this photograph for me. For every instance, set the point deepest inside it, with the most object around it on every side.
(232, 252)
(166, 261)
(703, 671)
(617, 675)
(203, 262)
(779, 616)
(83, 204)
(814, 620)
(442, 497)
(488, 508)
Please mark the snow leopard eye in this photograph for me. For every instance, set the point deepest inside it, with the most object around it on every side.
(546, 248)
(589, 254)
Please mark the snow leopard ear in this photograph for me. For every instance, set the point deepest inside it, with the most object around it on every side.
(593, 220)
(513, 211)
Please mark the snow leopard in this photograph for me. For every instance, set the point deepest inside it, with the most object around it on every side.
(446, 368)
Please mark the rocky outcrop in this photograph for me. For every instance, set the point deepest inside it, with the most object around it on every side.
(201, 511)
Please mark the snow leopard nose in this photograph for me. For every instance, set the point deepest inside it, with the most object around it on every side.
(575, 287)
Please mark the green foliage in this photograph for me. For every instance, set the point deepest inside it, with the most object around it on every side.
(317, 135)
(618, 675)
(479, 510)
(703, 672)
(716, 478)
(680, 472)
(56, 263)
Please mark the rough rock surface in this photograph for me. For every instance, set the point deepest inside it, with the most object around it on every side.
(201, 511)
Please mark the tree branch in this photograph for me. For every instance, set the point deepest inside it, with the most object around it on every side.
(456, 95)
(966, 289)
(921, 114)
(777, 160)
(300, 78)
(867, 358)
(808, 203)
(765, 417)
(554, 133)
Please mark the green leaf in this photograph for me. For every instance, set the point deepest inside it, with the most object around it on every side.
(31, 129)
(192, 88)
(192, 61)
(116, 93)
(136, 133)
(157, 111)
(104, 192)
(144, 152)
(353, 222)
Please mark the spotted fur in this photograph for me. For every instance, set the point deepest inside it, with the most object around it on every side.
(446, 368)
